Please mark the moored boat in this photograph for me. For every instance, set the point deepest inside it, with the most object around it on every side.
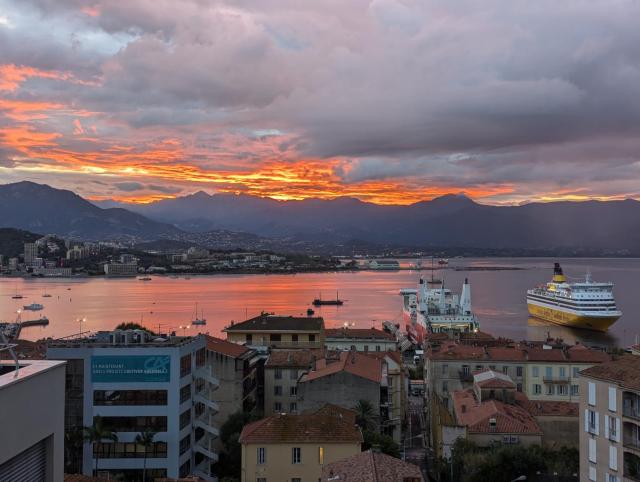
(588, 305)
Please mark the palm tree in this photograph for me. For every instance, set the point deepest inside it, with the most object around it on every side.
(97, 433)
(72, 443)
(365, 415)
(145, 438)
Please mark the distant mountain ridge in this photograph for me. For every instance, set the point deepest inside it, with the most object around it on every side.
(43, 209)
(447, 221)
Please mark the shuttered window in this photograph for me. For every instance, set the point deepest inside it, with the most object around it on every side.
(30, 464)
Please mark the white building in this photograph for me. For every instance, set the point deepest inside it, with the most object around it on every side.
(30, 253)
(32, 421)
(135, 381)
(384, 264)
(359, 339)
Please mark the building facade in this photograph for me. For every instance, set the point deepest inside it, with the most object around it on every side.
(135, 381)
(359, 339)
(296, 447)
(272, 331)
(610, 421)
(32, 432)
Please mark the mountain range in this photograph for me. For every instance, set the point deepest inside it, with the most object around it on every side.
(448, 221)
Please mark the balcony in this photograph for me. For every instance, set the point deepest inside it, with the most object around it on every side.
(560, 380)
(631, 466)
(465, 376)
(631, 436)
(631, 405)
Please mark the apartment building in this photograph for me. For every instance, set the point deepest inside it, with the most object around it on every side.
(610, 421)
(135, 381)
(271, 331)
(282, 371)
(296, 447)
(542, 370)
(359, 339)
(32, 420)
(237, 369)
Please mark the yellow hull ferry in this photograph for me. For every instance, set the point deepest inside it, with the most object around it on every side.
(589, 305)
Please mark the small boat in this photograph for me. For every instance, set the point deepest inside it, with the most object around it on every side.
(46, 295)
(443, 262)
(199, 321)
(320, 302)
(310, 312)
(144, 278)
(17, 296)
(34, 307)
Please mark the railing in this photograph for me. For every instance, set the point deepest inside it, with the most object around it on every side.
(465, 376)
(632, 470)
(631, 443)
(631, 411)
(555, 379)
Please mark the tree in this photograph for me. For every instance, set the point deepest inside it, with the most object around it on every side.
(385, 443)
(365, 415)
(97, 433)
(133, 326)
(72, 444)
(230, 458)
(145, 438)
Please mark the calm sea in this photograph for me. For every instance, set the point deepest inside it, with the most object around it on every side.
(370, 297)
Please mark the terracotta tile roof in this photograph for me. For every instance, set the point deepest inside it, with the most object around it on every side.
(371, 466)
(542, 354)
(351, 362)
(456, 351)
(510, 418)
(293, 358)
(267, 322)
(581, 353)
(541, 408)
(396, 356)
(492, 379)
(500, 353)
(329, 424)
(625, 371)
(225, 347)
(358, 333)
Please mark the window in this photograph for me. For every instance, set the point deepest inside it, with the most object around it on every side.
(518, 371)
(612, 399)
(277, 373)
(563, 389)
(592, 473)
(277, 390)
(510, 439)
(591, 422)
(445, 387)
(548, 372)
(321, 455)
(519, 387)
(294, 338)
(293, 374)
(612, 428)
(249, 338)
(293, 407)
(129, 450)
(185, 393)
(550, 389)
(613, 457)
(277, 407)
(445, 369)
(537, 389)
(135, 424)
(353, 348)
(201, 357)
(296, 455)
(275, 337)
(576, 372)
(185, 365)
(366, 348)
(505, 370)
(185, 469)
(592, 393)
(377, 347)
(612, 478)
(536, 372)
(262, 455)
(130, 397)
(185, 444)
(185, 418)
(592, 450)
(492, 367)
(575, 390)
(465, 370)
(312, 338)
(293, 391)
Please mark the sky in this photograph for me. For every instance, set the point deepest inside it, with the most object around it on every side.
(388, 101)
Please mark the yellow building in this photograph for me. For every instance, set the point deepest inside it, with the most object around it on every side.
(295, 448)
(273, 331)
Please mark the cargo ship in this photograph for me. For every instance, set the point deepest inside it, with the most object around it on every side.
(588, 305)
(431, 309)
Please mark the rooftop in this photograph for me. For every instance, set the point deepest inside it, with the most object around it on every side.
(268, 322)
(28, 369)
(225, 347)
(493, 379)
(371, 466)
(478, 417)
(293, 358)
(357, 364)
(625, 371)
(122, 339)
(358, 333)
(329, 424)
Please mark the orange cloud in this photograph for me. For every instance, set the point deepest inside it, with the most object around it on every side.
(24, 111)
(12, 76)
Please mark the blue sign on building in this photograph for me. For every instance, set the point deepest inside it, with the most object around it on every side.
(134, 368)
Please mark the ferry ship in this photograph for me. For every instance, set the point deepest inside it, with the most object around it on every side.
(589, 304)
(434, 310)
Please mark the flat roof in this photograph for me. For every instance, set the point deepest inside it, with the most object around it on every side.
(28, 369)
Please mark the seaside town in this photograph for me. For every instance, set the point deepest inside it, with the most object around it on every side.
(285, 397)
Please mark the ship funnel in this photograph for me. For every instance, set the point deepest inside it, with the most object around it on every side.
(442, 298)
(558, 275)
(465, 298)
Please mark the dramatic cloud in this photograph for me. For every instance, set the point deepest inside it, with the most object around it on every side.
(391, 101)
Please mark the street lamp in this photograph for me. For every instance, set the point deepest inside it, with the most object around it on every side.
(184, 328)
(81, 320)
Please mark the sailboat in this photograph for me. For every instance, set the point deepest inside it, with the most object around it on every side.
(319, 301)
(17, 296)
(199, 321)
